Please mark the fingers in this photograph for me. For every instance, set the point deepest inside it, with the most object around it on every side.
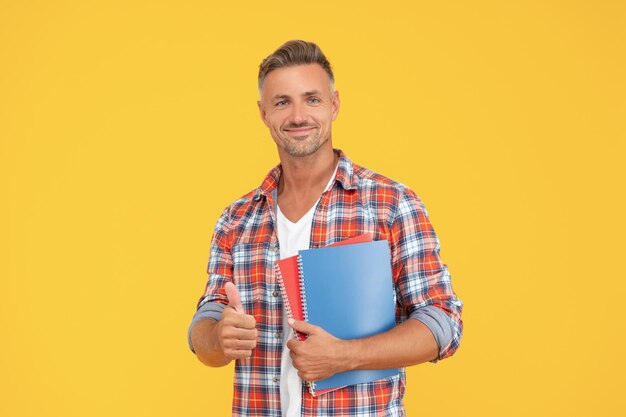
(306, 373)
(231, 345)
(237, 334)
(317, 357)
(303, 326)
(234, 299)
(292, 345)
(232, 318)
(237, 343)
(237, 354)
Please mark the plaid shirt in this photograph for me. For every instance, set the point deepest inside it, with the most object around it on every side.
(245, 246)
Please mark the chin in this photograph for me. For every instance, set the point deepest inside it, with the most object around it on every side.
(302, 151)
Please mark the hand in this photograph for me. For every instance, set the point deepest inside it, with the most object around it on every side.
(236, 332)
(320, 356)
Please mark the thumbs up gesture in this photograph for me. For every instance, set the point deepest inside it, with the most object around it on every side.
(236, 331)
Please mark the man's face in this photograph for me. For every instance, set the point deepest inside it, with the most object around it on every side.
(298, 108)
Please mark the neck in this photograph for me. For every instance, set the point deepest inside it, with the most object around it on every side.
(307, 174)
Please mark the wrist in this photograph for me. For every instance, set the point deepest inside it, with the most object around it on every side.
(349, 355)
(207, 343)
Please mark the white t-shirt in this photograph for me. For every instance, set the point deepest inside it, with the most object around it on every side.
(293, 237)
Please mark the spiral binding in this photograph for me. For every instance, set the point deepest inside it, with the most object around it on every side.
(283, 290)
(302, 292)
(304, 310)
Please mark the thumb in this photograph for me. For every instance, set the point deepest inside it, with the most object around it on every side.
(303, 326)
(233, 297)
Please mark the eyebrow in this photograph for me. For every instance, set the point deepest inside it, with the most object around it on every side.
(305, 94)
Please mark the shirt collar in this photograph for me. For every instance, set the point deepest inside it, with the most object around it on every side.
(345, 176)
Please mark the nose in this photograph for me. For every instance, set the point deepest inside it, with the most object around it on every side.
(298, 114)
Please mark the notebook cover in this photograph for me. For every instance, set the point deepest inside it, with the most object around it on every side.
(288, 277)
(348, 291)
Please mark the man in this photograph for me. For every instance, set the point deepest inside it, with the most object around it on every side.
(315, 197)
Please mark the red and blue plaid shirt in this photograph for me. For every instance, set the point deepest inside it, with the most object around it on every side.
(245, 246)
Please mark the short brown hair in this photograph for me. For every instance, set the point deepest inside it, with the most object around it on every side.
(292, 53)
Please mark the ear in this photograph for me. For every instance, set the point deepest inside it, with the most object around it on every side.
(262, 112)
(335, 104)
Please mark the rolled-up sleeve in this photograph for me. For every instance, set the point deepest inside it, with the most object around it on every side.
(423, 282)
(220, 271)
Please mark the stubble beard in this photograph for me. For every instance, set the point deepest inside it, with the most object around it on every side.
(299, 148)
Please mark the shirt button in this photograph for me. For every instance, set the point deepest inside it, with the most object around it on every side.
(275, 378)
(277, 335)
(275, 293)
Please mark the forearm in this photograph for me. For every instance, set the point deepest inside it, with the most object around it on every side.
(206, 345)
(409, 343)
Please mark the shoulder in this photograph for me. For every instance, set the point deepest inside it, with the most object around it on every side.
(240, 209)
(380, 187)
(386, 199)
(366, 176)
(241, 205)
(233, 219)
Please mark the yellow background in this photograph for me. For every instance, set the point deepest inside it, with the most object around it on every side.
(127, 126)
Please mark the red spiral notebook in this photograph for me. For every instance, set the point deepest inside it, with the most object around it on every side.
(288, 276)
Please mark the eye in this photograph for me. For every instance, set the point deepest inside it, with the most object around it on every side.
(314, 100)
(281, 103)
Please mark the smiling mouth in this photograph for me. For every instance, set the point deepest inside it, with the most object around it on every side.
(300, 132)
(300, 129)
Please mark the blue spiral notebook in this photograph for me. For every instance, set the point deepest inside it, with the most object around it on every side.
(348, 291)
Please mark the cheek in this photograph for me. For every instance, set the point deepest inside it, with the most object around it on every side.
(323, 115)
(275, 123)
(275, 132)
(276, 129)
